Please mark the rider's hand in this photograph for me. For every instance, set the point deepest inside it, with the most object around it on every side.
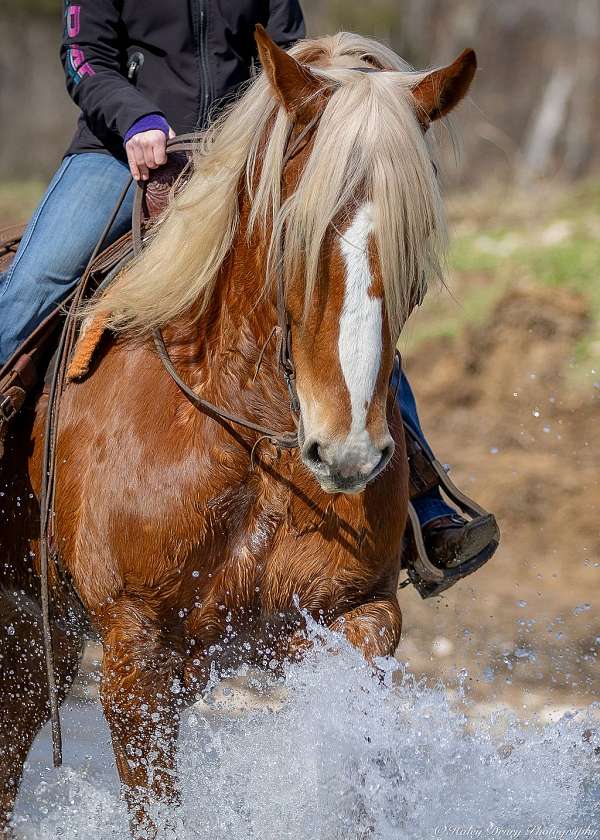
(147, 150)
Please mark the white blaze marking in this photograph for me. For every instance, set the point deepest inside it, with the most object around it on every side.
(359, 343)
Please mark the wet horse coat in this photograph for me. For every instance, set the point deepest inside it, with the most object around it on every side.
(186, 551)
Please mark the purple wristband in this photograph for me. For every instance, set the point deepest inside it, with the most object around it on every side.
(150, 122)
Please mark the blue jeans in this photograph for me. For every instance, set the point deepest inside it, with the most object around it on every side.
(59, 241)
(430, 505)
(55, 250)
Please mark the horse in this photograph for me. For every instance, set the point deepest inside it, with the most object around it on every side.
(193, 542)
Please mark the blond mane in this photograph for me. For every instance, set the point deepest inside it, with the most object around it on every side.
(368, 142)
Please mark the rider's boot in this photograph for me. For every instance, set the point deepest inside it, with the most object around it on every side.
(452, 541)
(449, 546)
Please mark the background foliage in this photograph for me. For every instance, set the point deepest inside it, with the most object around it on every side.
(534, 109)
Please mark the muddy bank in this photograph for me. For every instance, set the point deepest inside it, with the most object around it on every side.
(507, 404)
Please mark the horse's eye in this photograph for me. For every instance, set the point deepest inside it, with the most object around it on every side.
(434, 167)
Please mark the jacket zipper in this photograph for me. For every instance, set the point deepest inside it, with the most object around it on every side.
(200, 18)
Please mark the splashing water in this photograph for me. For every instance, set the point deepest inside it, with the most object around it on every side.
(348, 756)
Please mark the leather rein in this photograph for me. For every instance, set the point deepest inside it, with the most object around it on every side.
(285, 440)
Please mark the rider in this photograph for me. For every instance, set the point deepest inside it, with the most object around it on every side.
(142, 71)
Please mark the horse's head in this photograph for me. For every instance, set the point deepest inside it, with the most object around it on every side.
(323, 170)
(360, 217)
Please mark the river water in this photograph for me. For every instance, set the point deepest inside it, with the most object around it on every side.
(332, 753)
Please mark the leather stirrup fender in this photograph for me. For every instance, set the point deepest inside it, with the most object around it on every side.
(428, 579)
(422, 477)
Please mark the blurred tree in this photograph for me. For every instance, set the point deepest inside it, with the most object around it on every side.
(23, 8)
(534, 109)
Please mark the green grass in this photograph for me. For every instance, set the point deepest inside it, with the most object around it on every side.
(447, 315)
(573, 263)
(18, 200)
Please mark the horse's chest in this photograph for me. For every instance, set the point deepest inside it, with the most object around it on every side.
(274, 553)
(276, 546)
(269, 570)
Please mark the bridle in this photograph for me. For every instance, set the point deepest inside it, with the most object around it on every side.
(281, 440)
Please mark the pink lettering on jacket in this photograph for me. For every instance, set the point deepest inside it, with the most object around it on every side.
(79, 63)
(73, 14)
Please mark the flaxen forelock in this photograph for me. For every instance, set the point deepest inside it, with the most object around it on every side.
(368, 146)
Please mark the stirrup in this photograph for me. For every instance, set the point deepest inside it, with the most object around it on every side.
(11, 400)
(428, 579)
(17, 378)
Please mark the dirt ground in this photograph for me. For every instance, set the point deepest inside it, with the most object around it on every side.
(498, 403)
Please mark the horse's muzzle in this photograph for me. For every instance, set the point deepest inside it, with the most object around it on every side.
(348, 466)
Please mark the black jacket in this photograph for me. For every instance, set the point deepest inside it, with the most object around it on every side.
(124, 59)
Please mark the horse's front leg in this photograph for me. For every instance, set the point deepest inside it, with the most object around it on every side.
(374, 628)
(140, 689)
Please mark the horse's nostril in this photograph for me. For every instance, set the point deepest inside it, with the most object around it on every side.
(345, 464)
(384, 458)
(387, 452)
(312, 452)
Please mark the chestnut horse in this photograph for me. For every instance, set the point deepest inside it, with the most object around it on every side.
(191, 543)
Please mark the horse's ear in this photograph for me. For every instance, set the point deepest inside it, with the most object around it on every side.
(440, 91)
(292, 82)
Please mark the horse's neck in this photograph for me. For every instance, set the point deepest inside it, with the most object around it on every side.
(243, 313)
(232, 346)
